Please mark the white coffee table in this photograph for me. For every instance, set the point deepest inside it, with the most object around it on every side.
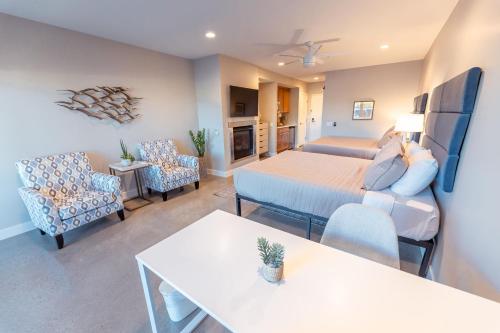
(214, 262)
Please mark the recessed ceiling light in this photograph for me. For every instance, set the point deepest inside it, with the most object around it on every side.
(384, 46)
(316, 78)
(281, 63)
(210, 34)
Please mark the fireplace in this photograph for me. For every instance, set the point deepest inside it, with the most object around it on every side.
(242, 138)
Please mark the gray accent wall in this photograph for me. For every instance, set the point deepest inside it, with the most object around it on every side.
(467, 255)
(37, 59)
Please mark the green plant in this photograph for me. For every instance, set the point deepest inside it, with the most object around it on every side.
(125, 154)
(271, 255)
(199, 141)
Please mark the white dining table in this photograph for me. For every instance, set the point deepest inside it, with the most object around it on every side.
(214, 262)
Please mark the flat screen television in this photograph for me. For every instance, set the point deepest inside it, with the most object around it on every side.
(244, 102)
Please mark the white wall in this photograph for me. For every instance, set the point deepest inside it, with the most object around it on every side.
(392, 86)
(231, 72)
(268, 109)
(36, 60)
(209, 106)
(467, 255)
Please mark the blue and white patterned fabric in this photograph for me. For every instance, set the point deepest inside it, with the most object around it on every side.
(170, 170)
(62, 192)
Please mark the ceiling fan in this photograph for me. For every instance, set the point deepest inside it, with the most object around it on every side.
(312, 55)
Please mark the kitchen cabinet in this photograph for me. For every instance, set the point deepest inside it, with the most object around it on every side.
(283, 99)
(283, 139)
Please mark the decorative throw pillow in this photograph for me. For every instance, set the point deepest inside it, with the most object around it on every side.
(387, 167)
(421, 172)
(386, 137)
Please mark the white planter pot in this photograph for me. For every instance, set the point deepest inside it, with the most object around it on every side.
(126, 162)
(272, 274)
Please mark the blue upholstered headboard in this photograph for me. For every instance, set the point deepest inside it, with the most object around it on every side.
(446, 123)
(419, 105)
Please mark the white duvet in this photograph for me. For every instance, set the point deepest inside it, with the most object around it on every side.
(318, 184)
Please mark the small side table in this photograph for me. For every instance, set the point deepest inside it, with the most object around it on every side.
(135, 167)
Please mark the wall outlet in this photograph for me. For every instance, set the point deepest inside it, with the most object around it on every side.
(329, 123)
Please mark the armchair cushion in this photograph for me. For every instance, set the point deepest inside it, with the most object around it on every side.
(169, 170)
(42, 209)
(188, 161)
(62, 174)
(106, 183)
(159, 152)
(181, 176)
(72, 206)
(63, 192)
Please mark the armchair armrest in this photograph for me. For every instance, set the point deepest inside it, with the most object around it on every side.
(188, 161)
(106, 183)
(42, 209)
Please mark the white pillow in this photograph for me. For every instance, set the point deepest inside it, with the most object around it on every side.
(421, 172)
(412, 148)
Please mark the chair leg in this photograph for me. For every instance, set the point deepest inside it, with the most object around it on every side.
(121, 214)
(149, 191)
(60, 241)
(164, 196)
(197, 185)
(238, 205)
(41, 232)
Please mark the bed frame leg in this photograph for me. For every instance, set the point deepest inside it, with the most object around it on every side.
(426, 260)
(309, 226)
(238, 205)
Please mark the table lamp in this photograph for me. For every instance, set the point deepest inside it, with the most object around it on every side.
(410, 123)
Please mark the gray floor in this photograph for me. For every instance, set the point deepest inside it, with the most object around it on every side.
(92, 285)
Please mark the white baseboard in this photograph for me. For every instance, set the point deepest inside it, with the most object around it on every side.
(28, 226)
(219, 173)
(16, 230)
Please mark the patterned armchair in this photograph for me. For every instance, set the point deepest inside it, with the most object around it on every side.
(169, 170)
(62, 192)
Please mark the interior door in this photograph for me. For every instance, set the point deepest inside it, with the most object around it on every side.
(314, 118)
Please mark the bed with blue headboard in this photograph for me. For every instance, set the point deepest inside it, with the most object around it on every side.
(450, 110)
(419, 106)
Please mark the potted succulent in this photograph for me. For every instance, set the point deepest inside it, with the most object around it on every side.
(272, 256)
(127, 158)
(199, 141)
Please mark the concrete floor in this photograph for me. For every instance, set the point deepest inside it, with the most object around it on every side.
(93, 285)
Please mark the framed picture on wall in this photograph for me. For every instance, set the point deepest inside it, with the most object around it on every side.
(363, 110)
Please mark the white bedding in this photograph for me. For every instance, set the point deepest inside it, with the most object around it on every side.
(415, 217)
(344, 146)
(318, 184)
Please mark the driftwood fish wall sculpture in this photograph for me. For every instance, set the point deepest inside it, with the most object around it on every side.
(103, 102)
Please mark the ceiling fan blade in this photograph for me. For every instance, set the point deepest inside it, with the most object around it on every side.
(320, 61)
(272, 44)
(326, 40)
(291, 62)
(317, 50)
(333, 54)
(296, 36)
(290, 55)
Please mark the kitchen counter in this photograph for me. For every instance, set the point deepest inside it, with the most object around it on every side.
(283, 126)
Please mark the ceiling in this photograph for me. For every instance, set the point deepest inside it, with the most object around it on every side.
(178, 27)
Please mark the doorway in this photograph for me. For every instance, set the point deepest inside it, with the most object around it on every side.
(314, 117)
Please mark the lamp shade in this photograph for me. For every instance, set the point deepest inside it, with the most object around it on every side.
(411, 122)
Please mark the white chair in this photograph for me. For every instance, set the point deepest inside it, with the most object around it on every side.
(364, 231)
